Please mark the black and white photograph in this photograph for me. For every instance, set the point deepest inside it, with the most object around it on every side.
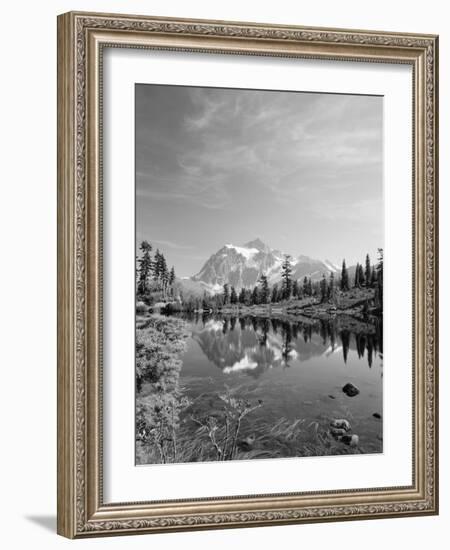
(259, 274)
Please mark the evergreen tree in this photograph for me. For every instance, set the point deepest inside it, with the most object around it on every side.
(255, 296)
(331, 289)
(172, 276)
(171, 281)
(226, 294)
(357, 282)
(274, 294)
(233, 296)
(368, 271)
(218, 301)
(295, 289)
(344, 277)
(305, 286)
(264, 290)
(242, 296)
(286, 272)
(373, 277)
(248, 297)
(361, 275)
(323, 288)
(145, 267)
(310, 287)
(379, 282)
(157, 265)
(163, 275)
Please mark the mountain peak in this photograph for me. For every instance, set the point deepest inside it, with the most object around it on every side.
(256, 243)
(242, 267)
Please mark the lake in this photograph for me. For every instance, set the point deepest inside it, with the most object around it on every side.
(297, 369)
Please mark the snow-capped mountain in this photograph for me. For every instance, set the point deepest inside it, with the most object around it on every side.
(242, 266)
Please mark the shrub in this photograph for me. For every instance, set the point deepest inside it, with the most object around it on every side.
(141, 307)
(159, 342)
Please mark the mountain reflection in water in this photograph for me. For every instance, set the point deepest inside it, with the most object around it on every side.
(296, 368)
(253, 345)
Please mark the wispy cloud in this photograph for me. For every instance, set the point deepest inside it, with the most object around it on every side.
(363, 211)
(248, 162)
(285, 145)
(206, 193)
(208, 108)
(172, 244)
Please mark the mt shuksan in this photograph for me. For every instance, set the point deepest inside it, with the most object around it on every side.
(242, 266)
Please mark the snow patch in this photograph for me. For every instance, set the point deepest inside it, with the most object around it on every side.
(331, 266)
(246, 252)
(216, 288)
(276, 265)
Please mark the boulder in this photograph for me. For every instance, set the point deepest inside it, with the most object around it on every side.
(340, 424)
(350, 389)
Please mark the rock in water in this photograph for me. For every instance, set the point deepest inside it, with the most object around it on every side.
(331, 396)
(352, 440)
(350, 389)
(340, 423)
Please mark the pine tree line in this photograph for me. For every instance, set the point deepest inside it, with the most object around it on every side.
(370, 276)
(154, 275)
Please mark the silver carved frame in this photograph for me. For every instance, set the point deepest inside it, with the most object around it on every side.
(81, 39)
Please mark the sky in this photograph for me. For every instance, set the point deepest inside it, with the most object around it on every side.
(301, 171)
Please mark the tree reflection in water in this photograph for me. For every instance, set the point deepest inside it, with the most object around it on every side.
(254, 344)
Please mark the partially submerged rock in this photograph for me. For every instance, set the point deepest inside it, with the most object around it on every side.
(340, 423)
(337, 432)
(350, 389)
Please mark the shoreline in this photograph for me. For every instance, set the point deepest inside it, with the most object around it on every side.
(353, 311)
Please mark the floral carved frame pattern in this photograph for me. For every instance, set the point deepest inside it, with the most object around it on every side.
(81, 39)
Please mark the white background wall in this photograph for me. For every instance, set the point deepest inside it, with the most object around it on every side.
(28, 270)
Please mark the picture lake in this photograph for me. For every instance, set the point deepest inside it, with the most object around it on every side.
(297, 371)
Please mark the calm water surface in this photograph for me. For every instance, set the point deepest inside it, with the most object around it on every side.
(297, 369)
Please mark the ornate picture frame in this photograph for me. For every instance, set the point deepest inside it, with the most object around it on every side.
(82, 39)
